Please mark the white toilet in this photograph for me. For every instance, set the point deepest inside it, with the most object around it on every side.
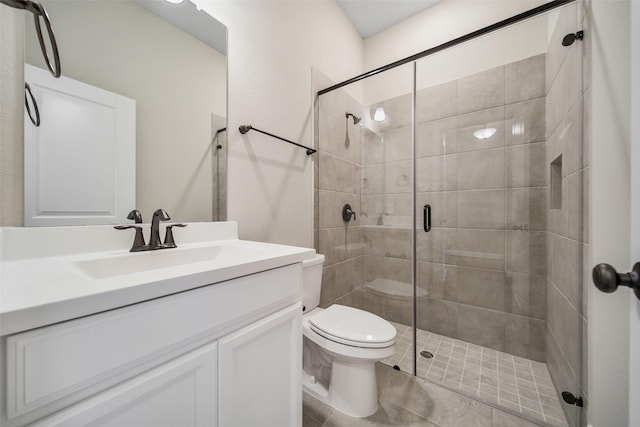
(340, 348)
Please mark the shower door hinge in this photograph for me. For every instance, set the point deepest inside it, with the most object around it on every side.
(571, 399)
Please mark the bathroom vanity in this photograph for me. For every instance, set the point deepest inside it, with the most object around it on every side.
(205, 334)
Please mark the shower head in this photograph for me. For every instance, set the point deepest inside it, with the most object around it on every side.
(356, 119)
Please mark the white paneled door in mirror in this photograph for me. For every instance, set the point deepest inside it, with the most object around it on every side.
(80, 160)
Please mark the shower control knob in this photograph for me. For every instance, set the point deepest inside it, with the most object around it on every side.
(348, 213)
(607, 279)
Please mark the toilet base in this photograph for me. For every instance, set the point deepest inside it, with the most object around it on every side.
(352, 389)
(346, 374)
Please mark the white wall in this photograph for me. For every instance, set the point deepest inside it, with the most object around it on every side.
(609, 212)
(441, 23)
(272, 47)
(11, 116)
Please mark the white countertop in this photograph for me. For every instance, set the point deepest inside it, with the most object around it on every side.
(53, 274)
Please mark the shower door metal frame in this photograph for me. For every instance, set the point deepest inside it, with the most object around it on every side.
(462, 39)
(414, 248)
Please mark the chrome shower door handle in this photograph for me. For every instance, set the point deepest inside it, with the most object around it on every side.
(426, 218)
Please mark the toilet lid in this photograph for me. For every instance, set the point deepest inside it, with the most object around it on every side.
(358, 328)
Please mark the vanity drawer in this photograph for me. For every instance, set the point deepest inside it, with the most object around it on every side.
(61, 364)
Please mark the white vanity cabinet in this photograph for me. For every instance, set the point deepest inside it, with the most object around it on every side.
(227, 354)
(178, 393)
(263, 357)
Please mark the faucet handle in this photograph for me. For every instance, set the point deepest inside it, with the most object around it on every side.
(348, 213)
(168, 236)
(138, 240)
(136, 216)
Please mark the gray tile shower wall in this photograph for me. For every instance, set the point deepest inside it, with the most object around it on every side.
(338, 178)
(483, 264)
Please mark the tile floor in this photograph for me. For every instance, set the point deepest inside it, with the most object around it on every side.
(406, 400)
(517, 384)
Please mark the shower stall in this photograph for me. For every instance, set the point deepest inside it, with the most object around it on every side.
(466, 173)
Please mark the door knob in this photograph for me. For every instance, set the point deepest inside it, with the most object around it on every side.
(607, 279)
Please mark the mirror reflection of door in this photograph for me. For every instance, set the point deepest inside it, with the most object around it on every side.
(80, 161)
(178, 81)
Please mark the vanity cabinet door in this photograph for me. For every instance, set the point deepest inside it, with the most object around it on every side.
(181, 392)
(259, 372)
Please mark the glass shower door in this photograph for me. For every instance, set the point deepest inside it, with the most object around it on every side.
(366, 161)
(388, 203)
(499, 162)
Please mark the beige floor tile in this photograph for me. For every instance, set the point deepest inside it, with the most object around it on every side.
(516, 383)
(503, 419)
(387, 415)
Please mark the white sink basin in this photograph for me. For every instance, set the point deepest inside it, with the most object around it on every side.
(53, 274)
(140, 262)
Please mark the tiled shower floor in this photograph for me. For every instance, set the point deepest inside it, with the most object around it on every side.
(518, 384)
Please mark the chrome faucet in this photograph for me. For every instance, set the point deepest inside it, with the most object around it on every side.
(154, 240)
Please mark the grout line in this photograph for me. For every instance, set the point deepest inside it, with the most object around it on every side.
(498, 378)
(535, 383)
(515, 373)
(481, 369)
(443, 352)
(464, 363)
(437, 352)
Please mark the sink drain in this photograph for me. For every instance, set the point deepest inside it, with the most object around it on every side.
(426, 354)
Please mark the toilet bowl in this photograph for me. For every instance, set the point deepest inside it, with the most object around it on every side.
(340, 348)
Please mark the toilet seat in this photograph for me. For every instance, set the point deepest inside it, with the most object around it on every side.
(353, 327)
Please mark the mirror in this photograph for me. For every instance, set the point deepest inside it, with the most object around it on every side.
(179, 83)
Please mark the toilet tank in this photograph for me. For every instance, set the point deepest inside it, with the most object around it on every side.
(312, 282)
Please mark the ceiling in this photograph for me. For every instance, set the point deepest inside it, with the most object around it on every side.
(191, 20)
(368, 17)
(372, 16)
